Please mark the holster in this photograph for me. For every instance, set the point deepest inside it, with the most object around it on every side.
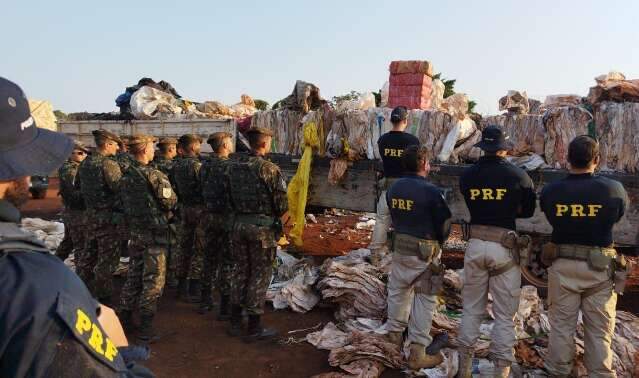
(509, 239)
(621, 271)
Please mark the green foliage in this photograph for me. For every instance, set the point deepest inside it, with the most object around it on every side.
(61, 116)
(449, 90)
(378, 98)
(349, 96)
(276, 105)
(471, 106)
(261, 104)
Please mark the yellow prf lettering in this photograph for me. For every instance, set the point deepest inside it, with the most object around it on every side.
(577, 211)
(593, 209)
(83, 323)
(561, 209)
(474, 193)
(111, 350)
(487, 194)
(399, 153)
(500, 193)
(386, 151)
(394, 203)
(402, 204)
(409, 205)
(96, 339)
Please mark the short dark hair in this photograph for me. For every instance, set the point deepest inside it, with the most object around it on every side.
(412, 157)
(582, 151)
(216, 140)
(164, 147)
(255, 139)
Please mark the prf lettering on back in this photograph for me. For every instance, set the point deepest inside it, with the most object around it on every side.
(577, 210)
(97, 341)
(402, 204)
(486, 194)
(393, 152)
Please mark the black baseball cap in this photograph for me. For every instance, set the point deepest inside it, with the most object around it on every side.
(25, 149)
(493, 139)
(399, 114)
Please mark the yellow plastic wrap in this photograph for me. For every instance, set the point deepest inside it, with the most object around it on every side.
(42, 113)
(298, 187)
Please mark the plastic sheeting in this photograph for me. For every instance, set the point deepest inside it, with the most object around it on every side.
(298, 187)
(151, 103)
(50, 233)
(42, 113)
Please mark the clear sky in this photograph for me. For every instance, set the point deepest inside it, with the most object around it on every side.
(81, 54)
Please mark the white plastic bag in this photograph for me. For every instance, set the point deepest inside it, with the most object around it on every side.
(437, 94)
(462, 130)
(385, 91)
(150, 103)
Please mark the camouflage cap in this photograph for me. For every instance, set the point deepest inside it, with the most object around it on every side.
(140, 138)
(259, 130)
(187, 139)
(107, 135)
(167, 140)
(77, 145)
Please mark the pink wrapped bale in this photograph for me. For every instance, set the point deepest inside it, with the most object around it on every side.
(410, 91)
(410, 102)
(410, 79)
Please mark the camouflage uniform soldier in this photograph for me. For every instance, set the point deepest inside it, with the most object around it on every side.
(216, 223)
(258, 195)
(186, 176)
(73, 215)
(148, 199)
(163, 161)
(124, 158)
(99, 185)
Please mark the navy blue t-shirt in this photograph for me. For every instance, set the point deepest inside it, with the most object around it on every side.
(418, 208)
(583, 209)
(391, 148)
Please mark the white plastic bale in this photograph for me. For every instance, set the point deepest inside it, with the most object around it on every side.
(460, 131)
(150, 103)
(437, 94)
(617, 126)
(433, 129)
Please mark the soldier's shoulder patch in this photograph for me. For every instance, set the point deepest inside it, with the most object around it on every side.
(167, 192)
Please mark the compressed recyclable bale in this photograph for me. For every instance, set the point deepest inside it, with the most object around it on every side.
(617, 126)
(151, 103)
(553, 101)
(42, 113)
(562, 126)
(525, 132)
(515, 102)
(411, 66)
(456, 105)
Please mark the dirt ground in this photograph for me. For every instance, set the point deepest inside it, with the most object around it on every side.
(196, 345)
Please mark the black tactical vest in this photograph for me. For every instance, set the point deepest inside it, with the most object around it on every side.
(140, 205)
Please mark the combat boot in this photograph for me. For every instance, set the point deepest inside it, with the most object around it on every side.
(256, 331)
(501, 368)
(126, 319)
(147, 334)
(396, 338)
(224, 313)
(195, 291)
(206, 304)
(236, 321)
(465, 362)
(183, 290)
(419, 359)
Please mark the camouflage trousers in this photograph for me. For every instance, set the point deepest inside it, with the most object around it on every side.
(191, 243)
(217, 262)
(100, 258)
(74, 234)
(146, 276)
(252, 254)
(172, 256)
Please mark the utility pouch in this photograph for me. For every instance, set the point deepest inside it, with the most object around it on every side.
(428, 250)
(549, 253)
(622, 269)
(523, 249)
(509, 240)
(598, 260)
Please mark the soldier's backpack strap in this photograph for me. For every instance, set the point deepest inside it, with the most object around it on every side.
(13, 239)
